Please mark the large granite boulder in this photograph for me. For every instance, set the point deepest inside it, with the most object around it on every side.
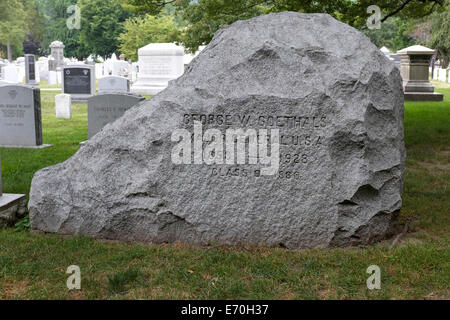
(332, 99)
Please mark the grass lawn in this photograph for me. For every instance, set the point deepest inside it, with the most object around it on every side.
(33, 266)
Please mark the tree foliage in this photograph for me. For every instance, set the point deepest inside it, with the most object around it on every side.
(440, 34)
(13, 24)
(205, 17)
(101, 24)
(55, 15)
(141, 31)
(394, 34)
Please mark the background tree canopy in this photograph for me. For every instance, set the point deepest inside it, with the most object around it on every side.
(123, 26)
(141, 31)
(205, 17)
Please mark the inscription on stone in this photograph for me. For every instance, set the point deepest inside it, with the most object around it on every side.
(77, 80)
(157, 65)
(20, 116)
(299, 137)
(271, 137)
(106, 108)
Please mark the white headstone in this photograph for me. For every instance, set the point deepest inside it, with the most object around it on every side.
(110, 84)
(98, 70)
(52, 77)
(436, 73)
(159, 63)
(442, 75)
(58, 76)
(63, 103)
(10, 73)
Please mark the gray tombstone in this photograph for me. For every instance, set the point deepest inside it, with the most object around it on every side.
(78, 81)
(20, 116)
(111, 84)
(415, 61)
(30, 69)
(57, 52)
(106, 108)
(192, 164)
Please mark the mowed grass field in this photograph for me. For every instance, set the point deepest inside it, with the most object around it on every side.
(33, 266)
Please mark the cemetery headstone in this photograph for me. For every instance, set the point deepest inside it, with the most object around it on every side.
(414, 70)
(159, 63)
(442, 75)
(11, 74)
(42, 69)
(98, 70)
(436, 73)
(20, 116)
(2, 64)
(79, 81)
(52, 78)
(106, 108)
(286, 130)
(113, 84)
(57, 53)
(12, 206)
(63, 103)
(30, 69)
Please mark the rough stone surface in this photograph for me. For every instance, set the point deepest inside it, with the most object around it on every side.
(337, 102)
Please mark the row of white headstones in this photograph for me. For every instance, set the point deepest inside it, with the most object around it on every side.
(15, 72)
(440, 74)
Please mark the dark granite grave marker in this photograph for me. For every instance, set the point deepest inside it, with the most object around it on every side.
(30, 69)
(78, 81)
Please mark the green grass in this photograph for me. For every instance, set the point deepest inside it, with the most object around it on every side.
(33, 266)
(43, 84)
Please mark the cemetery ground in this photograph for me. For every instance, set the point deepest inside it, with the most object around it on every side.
(33, 265)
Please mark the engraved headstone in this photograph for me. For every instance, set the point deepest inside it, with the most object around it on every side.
(78, 81)
(30, 69)
(159, 63)
(108, 107)
(286, 130)
(20, 116)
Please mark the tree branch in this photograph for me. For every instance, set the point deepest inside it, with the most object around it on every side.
(393, 13)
